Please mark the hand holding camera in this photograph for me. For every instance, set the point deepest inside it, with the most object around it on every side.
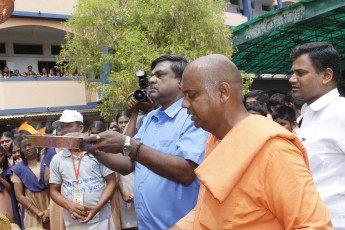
(140, 99)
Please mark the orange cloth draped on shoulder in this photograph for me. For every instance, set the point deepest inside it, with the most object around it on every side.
(257, 177)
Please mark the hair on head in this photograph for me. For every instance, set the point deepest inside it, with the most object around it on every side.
(179, 63)
(285, 113)
(322, 55)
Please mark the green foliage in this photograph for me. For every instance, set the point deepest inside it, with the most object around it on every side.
(247, 82)
(137, 32)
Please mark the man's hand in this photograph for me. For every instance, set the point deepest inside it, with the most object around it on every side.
(77, 211)
(108, 142)
(132, 103)
(91, 212)
(146, 107)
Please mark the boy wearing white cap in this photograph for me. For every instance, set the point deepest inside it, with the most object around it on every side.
(86, 198)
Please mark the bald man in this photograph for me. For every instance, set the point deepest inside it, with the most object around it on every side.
(255, 174)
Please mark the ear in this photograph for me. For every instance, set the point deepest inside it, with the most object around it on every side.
(327, 76)
(272, 108)
(179, 82)
(81, 127)
(224, 92)
(294, 125)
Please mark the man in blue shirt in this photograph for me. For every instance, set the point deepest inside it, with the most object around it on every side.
(164, 153)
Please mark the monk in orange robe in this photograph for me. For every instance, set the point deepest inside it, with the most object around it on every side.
(255, 174)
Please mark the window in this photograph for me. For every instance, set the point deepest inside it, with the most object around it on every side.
(234, 2)
(2, 64)
(253, 6)
(266, 8)
(27, 49)
(55, 50)
(2, 48)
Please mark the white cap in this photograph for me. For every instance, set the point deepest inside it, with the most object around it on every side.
(69, 116)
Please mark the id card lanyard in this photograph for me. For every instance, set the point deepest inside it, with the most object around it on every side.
(76, 171)
(78, 195)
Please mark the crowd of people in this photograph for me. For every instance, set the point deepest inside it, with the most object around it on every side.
(27, 169)
(6, 72)
(196, 154)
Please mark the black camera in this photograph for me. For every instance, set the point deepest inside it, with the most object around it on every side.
(140, 94)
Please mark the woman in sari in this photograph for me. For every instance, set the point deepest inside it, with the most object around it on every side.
(6, 140)
(5, 198)
(30, 189)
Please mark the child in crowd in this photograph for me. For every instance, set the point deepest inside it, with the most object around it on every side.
(286, 117)
(276, 100)
(256, 107)
(256, 95)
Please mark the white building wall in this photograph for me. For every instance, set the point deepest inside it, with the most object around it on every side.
(31, 35)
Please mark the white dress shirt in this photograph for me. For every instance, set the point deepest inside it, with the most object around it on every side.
(323, 135)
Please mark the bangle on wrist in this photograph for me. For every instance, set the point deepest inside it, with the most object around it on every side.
(136, 152)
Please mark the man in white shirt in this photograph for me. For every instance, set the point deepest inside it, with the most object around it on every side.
(315, 74)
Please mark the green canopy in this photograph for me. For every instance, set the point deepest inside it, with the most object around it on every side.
(264, 43)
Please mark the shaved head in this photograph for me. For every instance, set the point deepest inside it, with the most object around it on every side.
(214, 69)
(217, 68)
(212, 88)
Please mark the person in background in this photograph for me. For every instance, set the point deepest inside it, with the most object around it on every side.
(122, 119)
(5, 71)
(16, 73)
(44, 72)
(6, 141)
(30, 73)
(256, 95)
(30, 189)
(113, 126)
(296, 105)
(275, 101)
(16, 155)
(286, 117)
(257, 107)
(13, 160)
(97, 127)
(51, 73)
(5, 189)
(315, 75)
(88, 184)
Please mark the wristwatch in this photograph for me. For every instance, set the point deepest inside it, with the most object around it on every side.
(127, 146)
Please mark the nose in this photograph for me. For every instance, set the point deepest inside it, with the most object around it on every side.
(293, 79)
(153, 79)
(185, 103)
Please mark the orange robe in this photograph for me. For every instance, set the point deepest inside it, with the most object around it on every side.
(256, 178)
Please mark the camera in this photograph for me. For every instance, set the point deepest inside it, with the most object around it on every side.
(140, 94)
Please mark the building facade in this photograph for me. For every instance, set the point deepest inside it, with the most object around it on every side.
(32, 36)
